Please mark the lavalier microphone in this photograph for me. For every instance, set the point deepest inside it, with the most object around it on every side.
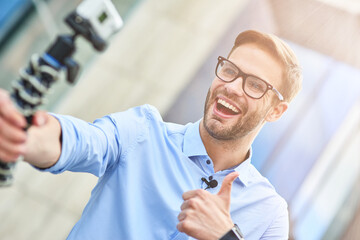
(212, 184)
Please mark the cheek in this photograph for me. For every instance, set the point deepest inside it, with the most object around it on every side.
(214, 89)
(257, 106)
(216, 83)
(264, 109)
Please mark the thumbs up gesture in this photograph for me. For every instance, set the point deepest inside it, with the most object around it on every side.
(206, 216)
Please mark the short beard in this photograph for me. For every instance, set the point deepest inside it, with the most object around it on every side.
(243, 127)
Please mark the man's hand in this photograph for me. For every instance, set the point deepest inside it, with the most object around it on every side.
(41, 150)
(12, 134)
(205, 216)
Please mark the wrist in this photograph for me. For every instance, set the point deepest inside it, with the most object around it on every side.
(233, 234)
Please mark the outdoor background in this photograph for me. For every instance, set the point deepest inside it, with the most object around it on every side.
(165, 55)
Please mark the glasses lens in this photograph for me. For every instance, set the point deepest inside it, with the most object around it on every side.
(255, 87)
(226, 71)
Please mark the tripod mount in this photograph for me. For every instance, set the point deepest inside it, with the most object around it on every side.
(95, 20)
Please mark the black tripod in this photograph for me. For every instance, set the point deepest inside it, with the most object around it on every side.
(35, 80)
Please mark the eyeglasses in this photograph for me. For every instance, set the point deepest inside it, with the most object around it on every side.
(252, 86)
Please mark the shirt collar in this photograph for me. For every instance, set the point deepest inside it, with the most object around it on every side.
(193, 145)
(244, 170)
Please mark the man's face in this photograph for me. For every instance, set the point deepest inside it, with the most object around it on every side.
(229, 113)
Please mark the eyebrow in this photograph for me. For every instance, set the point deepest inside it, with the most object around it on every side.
(249, 74)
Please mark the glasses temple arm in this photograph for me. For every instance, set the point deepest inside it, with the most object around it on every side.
(278, 94)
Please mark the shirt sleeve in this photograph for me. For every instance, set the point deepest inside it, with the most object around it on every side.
(87, 147)
(96, 147)
(279, 228)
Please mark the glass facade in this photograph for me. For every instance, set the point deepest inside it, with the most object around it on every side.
(294, 152)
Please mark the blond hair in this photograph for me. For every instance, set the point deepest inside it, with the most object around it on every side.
(292, 76)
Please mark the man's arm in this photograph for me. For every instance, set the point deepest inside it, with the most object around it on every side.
(40, 145)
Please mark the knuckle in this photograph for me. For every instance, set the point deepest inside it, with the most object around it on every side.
(3, 126)
(5, 157)
(185, 214)
(201, 193)
(182, 216)
(11, 151)
(182, 206)
(198, 192)
(20, 137)
(2, 157)
(13, 157)
(192, 203)
(8, 157)
(179, 227)
(186, 225)
(183, 196)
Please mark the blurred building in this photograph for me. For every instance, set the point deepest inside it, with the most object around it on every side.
(165, 55)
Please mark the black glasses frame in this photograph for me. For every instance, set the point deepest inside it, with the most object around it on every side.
(244, 76)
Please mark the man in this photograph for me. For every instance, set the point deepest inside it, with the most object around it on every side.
(160, 180)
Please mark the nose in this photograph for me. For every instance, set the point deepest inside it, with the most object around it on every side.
(235, 86)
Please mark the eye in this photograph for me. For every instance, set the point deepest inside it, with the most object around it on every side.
(226, 71)
(230, 71)
(255, 85)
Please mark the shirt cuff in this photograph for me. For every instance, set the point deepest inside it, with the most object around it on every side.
(59, 166)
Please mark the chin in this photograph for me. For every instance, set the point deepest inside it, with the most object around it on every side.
(218, 130)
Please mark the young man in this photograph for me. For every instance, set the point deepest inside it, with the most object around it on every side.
(160, 180)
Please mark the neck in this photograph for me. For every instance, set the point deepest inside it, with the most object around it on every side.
(226, 153)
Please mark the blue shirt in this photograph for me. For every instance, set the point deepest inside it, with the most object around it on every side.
(144, 166)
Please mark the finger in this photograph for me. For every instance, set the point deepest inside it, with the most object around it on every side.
(182, 216)
(40, 118)
(9, 157)
(184, 205)
(225, 189)
(194, 193)
(189, 228)
(11, 147)
(192, 203)
(185, 226)
(10, 114)
(180, 226)
(10, 152)
(11, 133)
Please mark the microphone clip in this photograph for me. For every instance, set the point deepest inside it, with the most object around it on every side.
(212, 184)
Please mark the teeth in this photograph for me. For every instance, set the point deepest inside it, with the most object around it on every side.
(228, 105)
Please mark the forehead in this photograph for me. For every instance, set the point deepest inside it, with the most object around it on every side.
(254, 60)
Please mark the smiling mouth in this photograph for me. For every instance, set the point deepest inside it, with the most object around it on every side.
(225, 108)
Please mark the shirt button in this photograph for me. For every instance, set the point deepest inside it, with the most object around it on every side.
(211, 178)
(208, 161)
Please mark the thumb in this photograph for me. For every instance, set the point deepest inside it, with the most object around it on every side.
(225, 190)
(40, 118)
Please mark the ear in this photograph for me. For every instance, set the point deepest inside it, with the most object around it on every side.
(277, 111)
